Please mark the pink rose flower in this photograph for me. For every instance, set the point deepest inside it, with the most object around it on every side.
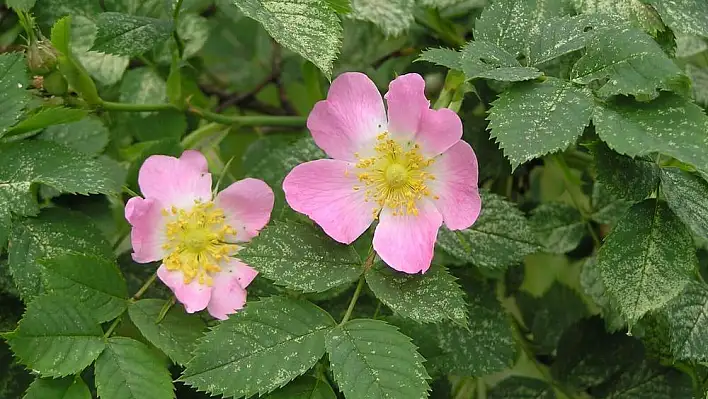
(410, 170)
(194, 235)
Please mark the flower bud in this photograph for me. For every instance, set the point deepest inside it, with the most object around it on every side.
(41, 57)
(55, 84)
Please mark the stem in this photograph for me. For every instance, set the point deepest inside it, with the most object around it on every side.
(175, 35)
(128, 107)
(367, 265)
(350, 309)
(145, 287)
(113, 326)
(248, 120)
(166, 308)
(571, 184)
(242, 120)
(192, 139)
(595, 238)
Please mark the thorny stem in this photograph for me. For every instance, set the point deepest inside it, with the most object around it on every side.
(367, 265)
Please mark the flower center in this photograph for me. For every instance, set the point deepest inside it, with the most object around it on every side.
(395, 177)
(195, 241)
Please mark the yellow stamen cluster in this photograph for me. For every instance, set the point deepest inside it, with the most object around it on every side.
(395, 177)
(195, 241)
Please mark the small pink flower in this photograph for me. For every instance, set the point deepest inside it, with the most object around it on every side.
(410, 170)
(194, 235)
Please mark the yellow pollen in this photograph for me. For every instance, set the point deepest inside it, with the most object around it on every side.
(196, 241)
(395, 177)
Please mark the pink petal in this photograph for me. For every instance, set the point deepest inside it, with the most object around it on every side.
(438, 131)
(324, 191)
(247, 205)
(350, 118)
(229, 294)
(455, 184)
(406, 104)
(193, 296)
(406, 243)
(244, 273)
(147, 235)
(176, 181)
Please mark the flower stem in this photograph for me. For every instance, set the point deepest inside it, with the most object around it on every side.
(145, 287)
(355, 297)
(367, 265)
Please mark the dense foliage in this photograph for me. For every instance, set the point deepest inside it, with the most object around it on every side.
(583, 276)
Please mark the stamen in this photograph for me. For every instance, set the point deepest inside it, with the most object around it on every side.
(196, 241)
(395, 177)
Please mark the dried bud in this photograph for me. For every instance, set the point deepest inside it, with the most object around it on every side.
(41, 57)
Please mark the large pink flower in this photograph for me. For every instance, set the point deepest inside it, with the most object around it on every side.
(410, 170)
(194, 235)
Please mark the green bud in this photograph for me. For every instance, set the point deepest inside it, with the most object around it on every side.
(41, 57)
(55, 84)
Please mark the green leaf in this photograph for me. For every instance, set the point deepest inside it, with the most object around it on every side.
(558, 36)
(21, 5)
(393, 17)
(699, 83)
(260, 348)
(305, 388)
(510, 23)
(56, 337)
(606, 208)
(594, 287)
(193, 30)
(143, 86)
(684, 15)
(88, 135)
(688, 321)
(624, 177)
(628, 61)
(588, 356)
(670, 125)
(128, 369)
(25, 163)
(371, 359)
(500, 237)
(486, 345)
(648, 380)
(425, 298)
(104, 68)
(521, 388)
(633, 11)
(47, 117)
(559, 227)
(123, 34)
(64, 388)
(687, 196)
(176, 334)
(53, 233)
(548, 316)
(96, 283)
(13, 93)
(536, 118)
(480, 59)
(307, 27)
(646, 260)
(340, 6)
(449, 58)
(301, 257)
